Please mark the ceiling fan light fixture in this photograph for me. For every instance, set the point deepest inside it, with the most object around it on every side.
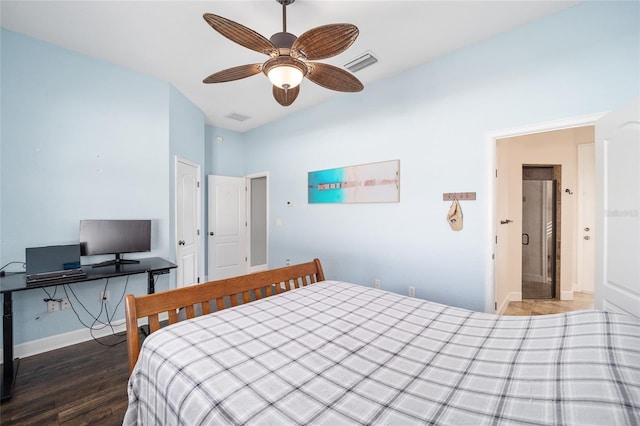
(285, 72)
(285, 77)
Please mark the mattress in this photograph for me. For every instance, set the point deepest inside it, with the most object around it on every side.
(337, 353)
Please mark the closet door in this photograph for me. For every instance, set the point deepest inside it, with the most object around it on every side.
(226, 227)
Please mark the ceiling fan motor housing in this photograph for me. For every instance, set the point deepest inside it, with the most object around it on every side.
(283, 41)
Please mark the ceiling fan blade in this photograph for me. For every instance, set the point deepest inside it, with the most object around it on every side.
(285, 97)
(325, 41)
(333, 78)
(240, 34)
(235, 73)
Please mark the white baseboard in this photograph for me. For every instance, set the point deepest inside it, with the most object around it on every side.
(514, 296)
(566, 295)
(46, 344)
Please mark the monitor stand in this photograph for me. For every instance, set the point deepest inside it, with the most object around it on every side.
(117, 262)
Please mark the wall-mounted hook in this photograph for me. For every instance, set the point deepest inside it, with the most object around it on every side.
(568, 191)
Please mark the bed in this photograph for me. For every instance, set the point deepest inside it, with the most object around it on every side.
(330, 352)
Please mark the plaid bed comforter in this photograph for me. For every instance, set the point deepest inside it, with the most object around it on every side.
(337, 353)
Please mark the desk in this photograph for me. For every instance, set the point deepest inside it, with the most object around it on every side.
(152, 266)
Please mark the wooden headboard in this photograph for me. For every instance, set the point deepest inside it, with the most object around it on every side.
(212, 296)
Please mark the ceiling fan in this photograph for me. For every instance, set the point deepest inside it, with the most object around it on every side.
(290, 56)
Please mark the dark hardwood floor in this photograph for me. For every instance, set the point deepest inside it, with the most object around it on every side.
(78, 385)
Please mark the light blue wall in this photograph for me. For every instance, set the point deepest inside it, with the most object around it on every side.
(435, 119)
(82, 138)
(225, 156)
(187, 133)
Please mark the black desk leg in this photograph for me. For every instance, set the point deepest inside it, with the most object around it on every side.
(9, 367)
(151, 279)
(151, 282)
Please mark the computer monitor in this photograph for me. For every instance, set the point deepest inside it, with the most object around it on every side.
(109, 236)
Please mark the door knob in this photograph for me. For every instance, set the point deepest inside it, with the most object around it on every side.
(587, 229)
(586, 237)
(181, 243)
(211, 233)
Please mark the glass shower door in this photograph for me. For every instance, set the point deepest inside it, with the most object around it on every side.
(538, 239)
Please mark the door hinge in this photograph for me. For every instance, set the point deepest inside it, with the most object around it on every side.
(496, 172)
(198, 184)
(198, 281)
(197, 232)
(495, 306)
(496, 239)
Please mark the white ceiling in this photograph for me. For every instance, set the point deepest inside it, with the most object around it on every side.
(170, 40)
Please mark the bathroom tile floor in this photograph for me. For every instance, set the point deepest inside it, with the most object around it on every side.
(550, 306)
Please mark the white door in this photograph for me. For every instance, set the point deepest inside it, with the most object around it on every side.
(586, 217)
(187, 222)
(227, 227)
(617, 286)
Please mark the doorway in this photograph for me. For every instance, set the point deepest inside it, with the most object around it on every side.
(540, 256)
(553, 143)
(238, 221)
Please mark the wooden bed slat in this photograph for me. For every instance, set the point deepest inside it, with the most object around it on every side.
(154, 323)
(227, 292)
(206, 307)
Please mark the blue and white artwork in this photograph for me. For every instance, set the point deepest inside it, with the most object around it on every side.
(364, 183)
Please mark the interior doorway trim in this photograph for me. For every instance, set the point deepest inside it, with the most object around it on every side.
(491, 139)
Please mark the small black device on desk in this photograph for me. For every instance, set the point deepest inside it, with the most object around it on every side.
(152, 266)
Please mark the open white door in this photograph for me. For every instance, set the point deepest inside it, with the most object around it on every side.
(227, 227)
(617, 286)
(187, 223)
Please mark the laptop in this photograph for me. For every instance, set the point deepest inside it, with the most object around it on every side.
(53, 263)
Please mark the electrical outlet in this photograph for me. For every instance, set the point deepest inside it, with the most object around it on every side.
(104, 296)
(376, 284)
(53, 305)
(65, 304)
(412, 292)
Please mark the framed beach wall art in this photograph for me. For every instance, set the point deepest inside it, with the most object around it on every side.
(364, 183)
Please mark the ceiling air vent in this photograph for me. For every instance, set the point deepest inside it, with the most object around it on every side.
(362, 61)
(237, 117)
